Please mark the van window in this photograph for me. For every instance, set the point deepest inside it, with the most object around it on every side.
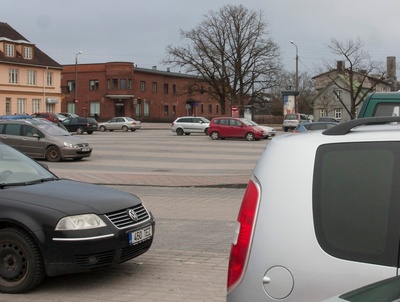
(387, 109)
(355, 204)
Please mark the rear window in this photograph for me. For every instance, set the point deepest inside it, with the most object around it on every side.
(387, 109)
(356, 201)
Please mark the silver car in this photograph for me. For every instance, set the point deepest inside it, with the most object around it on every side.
(39, 139)
(120, 123)
(190, 124)
(320, 215)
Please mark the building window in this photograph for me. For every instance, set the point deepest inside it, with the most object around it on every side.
(165, 88)
(142, 86)
(10, 50)
(122, 83)
(50, 79)
(71, 107)
(174, 110)
(209, 108)
(93, 85)
(154, 87)
(50, 107)
(174, 89)
(31, 80)
(13, 76)
(35, 105)
(165, 110)
(28, 53)
(202, 108)
(217, 109)
(21, 106)
(71, 86)
(338, 114)
(94, 108)
(336, 93)
(322, 113)
(130, 84)
(8, 106)
(146, 108)
(114, 83)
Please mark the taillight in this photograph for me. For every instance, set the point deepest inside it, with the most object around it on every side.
(244, 232)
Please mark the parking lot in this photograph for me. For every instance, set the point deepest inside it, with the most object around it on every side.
(193, 185)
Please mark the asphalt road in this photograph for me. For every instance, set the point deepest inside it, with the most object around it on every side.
(193, 186)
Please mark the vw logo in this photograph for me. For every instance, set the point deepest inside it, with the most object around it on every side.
(133, 215)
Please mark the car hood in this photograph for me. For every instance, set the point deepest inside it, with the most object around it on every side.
(71, 197)
(70, 139)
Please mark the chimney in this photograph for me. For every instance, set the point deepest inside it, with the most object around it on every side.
(340, 66)
(391, 72)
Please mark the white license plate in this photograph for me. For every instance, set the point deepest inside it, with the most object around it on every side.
(140, 235)
(85, 149)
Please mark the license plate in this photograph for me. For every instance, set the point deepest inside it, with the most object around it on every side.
(85, 149)
(140, 235)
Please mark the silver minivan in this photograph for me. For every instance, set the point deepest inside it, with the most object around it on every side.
(332, 228)
(45, 140)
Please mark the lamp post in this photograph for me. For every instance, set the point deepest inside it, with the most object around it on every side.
(76, 77)
(297, 78)
(297, 66)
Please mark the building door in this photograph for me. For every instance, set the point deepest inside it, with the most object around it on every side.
(120, 108)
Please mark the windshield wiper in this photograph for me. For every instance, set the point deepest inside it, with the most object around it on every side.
(27, 183)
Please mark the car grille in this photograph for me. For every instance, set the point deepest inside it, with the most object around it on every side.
(105, 258)
(135, 250)
(122, 219)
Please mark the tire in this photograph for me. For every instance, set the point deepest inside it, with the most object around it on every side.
(133, 130)
(249, 136)
(79, 130)
(214, 135)
(53, 154)
(90, 132)
(179, 131)
(285, 129)
(187, 133)
(102, 128)
(206, 131)
(124, 128)
(21, 264)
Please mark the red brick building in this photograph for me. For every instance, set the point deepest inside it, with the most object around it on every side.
(120, 89)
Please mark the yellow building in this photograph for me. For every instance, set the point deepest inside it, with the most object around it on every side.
(30, 81)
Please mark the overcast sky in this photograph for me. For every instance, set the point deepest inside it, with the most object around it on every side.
(139, 31)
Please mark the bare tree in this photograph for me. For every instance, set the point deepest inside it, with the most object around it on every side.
(232, 52)
(362, 75)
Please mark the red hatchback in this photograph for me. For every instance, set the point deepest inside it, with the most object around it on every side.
(231, 127)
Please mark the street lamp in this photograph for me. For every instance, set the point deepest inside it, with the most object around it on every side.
(297, 66)
(76, 76)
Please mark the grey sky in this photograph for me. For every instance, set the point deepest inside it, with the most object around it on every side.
(138, 31)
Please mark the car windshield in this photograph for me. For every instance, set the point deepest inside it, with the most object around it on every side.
(204, 120)
(291, 117)
(53, 130)
(17, 169)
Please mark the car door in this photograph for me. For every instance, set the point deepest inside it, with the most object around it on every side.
(11, 135)
(112, 124)
(32, 142)
(236, 128)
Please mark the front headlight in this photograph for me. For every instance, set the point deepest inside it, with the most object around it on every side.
(80, 222)
(69, 145)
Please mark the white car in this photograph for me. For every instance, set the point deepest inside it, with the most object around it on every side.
(120, 123)
(268, 131)
(190, 124)
(320, 215)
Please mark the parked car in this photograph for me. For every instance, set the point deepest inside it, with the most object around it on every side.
(310, 126)
(15, 117)
(120, 123)
(68, 114)
(52, 117)
(328, 119)
(320, 214)
(190, 124)
(232, 127)
(44, 140)
(291, 121)
(387, 290)
(52, 226)
(80, 124)
(268, 131)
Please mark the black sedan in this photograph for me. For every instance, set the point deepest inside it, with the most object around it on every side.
(51, 226)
